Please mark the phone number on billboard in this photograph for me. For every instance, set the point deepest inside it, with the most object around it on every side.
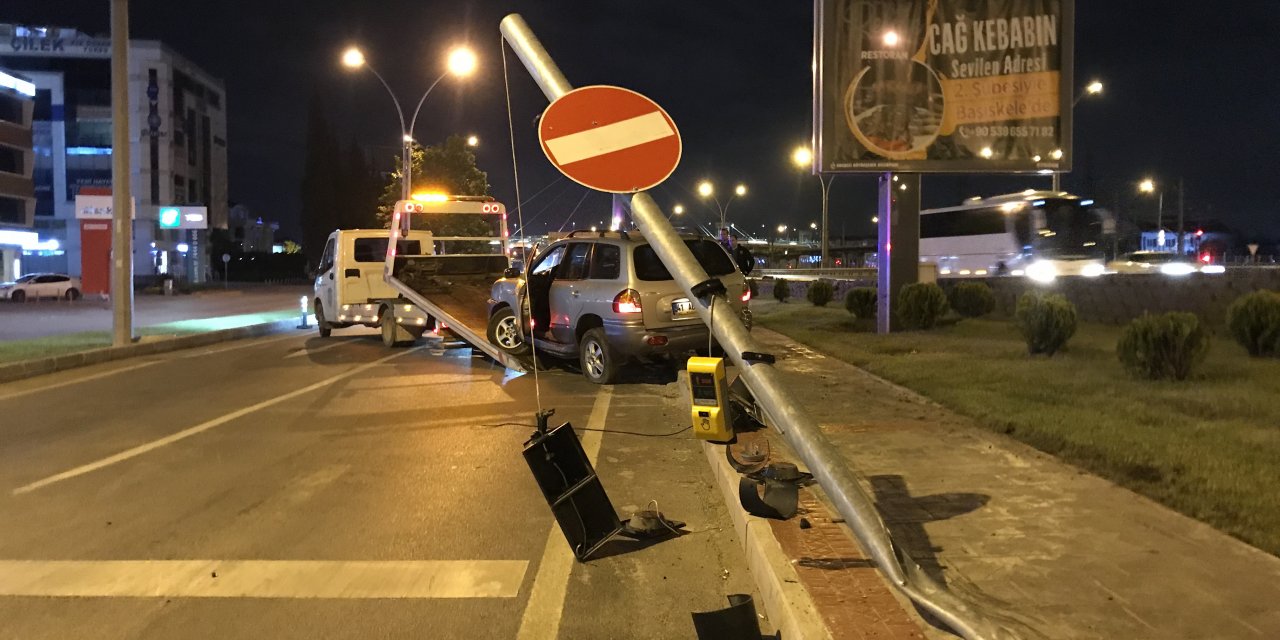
(1010, 132)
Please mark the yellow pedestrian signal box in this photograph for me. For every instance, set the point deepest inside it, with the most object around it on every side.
(710, 396)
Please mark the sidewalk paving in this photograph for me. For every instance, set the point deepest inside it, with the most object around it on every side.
(1023, 535)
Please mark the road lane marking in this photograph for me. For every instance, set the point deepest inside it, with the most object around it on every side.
(617, 136)
(306, 351)
(251, 343)
(66, 383)
(541, 619)
(262, 578)
(200, 428)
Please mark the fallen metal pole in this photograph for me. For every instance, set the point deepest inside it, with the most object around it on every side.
(800, 430)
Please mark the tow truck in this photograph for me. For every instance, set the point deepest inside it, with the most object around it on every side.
(451, 284)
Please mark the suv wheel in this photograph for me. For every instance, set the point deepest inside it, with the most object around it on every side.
(599, 364)
(505, 334)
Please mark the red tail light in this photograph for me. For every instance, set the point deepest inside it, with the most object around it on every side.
(746, 292)
(627, 302)
(1206, 258)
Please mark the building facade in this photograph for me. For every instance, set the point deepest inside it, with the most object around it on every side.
(178, 144)
(17, 162)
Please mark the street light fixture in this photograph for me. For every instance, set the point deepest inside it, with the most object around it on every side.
(708, 190)
(353, 58)
(1094, 88)
(461, 62)
(472, 141)
(802, 158)
(678, 209)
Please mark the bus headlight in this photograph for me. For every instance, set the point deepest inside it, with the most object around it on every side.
(1177, 269)
(1042, 271)
(1092, 270)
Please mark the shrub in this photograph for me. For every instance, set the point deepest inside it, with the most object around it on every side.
(920, 305)
(1254, 321)
(1047, 321)
(861, 302)
(820, 293)
(781, 290)
(753, 286)
(1163, 347)
(973, 299)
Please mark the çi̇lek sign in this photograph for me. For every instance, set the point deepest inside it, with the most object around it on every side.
(977, 86)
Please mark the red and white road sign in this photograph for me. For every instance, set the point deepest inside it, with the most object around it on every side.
(610, 139)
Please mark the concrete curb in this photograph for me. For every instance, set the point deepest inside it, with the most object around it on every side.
(788, 604)
(40, 366)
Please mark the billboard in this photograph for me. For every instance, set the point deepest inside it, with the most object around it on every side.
(929, 86)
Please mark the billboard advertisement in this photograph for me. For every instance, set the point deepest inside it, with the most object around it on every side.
(929, 86)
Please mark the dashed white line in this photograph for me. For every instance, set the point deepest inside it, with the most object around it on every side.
(200, 428)
(541, 619)
(309, 351)
(262, 578)
(66, 383)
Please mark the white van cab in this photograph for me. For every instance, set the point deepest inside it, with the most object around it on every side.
(350, 288)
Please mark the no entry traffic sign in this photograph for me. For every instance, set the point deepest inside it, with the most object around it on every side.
(610, 139)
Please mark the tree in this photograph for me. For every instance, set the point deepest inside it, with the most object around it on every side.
(446, 168)
(321, 177)
(358, 192)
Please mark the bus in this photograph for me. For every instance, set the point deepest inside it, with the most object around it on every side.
(1037, 234)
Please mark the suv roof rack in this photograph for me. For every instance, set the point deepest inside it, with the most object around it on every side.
(601, 233)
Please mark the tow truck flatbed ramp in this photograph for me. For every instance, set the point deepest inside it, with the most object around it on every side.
(454, 289)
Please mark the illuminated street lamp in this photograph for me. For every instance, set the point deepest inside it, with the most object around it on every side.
(678, 210)
(1094, 88)
(461, 62)
(708, 190)
(1149, 186)
(472, 141)
(802, 158)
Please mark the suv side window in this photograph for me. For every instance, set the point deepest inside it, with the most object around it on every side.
(575, 267)
(326, 259)
(606, 262)
(547, 263)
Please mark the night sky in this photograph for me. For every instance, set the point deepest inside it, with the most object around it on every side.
(1191, 93)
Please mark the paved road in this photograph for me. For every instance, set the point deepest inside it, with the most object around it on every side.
(293, 487)
(25, 320)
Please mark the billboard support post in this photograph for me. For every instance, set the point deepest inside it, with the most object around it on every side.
(799, 429)
(898, 243)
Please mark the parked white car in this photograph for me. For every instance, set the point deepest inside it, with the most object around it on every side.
(35, 286)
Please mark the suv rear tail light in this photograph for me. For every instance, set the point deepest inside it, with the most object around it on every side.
(627, 302)
(746, 292)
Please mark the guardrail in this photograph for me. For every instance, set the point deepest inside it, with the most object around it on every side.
(849, 273)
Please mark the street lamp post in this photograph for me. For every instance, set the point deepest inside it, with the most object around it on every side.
(1149, 186)
(461, 63)
(1094, 88)
(802, 157)
(708, 190)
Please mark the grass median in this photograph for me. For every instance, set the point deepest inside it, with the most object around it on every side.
(1208, 447)
(18, 350)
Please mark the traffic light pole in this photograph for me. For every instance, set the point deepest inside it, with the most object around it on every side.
(121, 200)
(801, 431)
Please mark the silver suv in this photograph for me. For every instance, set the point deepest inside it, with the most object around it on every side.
(607, 299)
